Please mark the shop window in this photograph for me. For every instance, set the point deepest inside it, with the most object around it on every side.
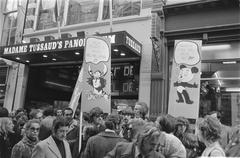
(122, 8)
(50, 11)
(82, 11)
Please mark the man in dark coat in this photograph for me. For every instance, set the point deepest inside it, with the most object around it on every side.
(99, 145)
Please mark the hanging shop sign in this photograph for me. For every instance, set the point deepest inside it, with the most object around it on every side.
(185, 79)
(121, 39)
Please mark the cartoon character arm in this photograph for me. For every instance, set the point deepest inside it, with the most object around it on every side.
(186, 84)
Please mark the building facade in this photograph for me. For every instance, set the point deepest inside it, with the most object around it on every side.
(217, 24)
(47, 77)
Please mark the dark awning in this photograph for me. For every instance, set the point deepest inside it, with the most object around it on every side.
(123, 46)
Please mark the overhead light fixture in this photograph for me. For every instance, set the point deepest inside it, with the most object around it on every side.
(54, 59)
(45, 56)
(232, 89)
(57, 84)
(115, 50)
(122, 54)
(216, 47)
(229, 62)
(27, 61)
(17, 58)
(77, 53)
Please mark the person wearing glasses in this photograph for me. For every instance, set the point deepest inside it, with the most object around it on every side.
(24, 148)
(55, 146)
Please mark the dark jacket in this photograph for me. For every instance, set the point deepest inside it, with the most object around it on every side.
(24, 148)
(6, 145)
(127, 150)
(99, 145)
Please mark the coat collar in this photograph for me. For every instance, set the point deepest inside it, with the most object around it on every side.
(109, 134)
(53, 147)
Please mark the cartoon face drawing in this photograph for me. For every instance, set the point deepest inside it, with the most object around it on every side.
(186, 74)
(97, 81)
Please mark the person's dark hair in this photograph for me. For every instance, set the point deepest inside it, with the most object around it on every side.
(91, 130)
(68, 108)
(20, 110)
(219, 115)
(166, 123)
(144, 109)
(3, 112)
(59, 122)
(182, 121)
(210, 128)
(28, 124)
(95, 112)
(112, 121)
(86, 116)
(48, 111)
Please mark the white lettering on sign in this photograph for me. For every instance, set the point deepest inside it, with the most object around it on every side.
(15, 49)
(133, 44)
(74, 43)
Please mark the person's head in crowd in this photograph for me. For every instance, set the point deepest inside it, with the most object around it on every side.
(31, 129)
(36, 114)
(3, 112)
(86, 117)
(89, 131)
(134, 126)
(20, 110)
(96, 115)
(20, 123)
(166, 123)
(59, 112)
(68, 114)
(112, 121)
(6, 126)
(215, 114)
(182, 125)
(60, 128)
(49, 111)
(140, 110)
(147, 138)
(77, 114)
(208, 130)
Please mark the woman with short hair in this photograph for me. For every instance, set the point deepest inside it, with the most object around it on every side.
(209, 132)
(6, 128)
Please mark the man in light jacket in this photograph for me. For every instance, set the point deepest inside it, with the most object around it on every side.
(55, 146)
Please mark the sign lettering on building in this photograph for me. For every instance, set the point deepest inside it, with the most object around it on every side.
(51, 46)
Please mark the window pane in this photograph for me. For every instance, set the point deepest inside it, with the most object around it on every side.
(122, 8)
(9, 29)
(12, 5)
(49, 12)
(81, 11)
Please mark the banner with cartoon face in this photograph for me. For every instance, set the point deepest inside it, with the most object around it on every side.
(97, 74)
(185, 79)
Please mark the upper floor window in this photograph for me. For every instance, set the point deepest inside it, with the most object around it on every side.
(10, 21)
(50, 12)
(82, 11)
(72, 12)
(122, 8)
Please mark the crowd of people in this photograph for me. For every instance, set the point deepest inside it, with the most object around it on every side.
(54, 133)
